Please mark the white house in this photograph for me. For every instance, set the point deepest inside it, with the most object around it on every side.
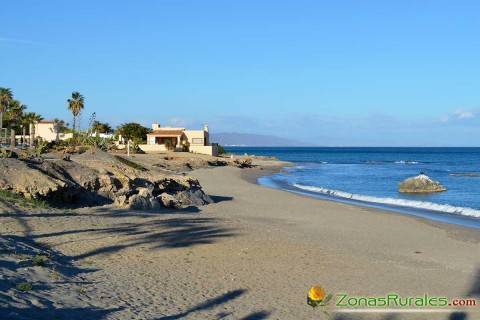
(179, 139)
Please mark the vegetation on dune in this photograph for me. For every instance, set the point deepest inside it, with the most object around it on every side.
(39, 260)
(15, 200)
(24, 286)
(221, 150)
(131, 163)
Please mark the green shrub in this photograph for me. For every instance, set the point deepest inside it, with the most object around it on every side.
(221, 150)
(24, 286)
(130, 163)
(39, 260)
(15, 199)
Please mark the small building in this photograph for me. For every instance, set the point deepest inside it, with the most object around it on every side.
(47, 131)
(179, 139)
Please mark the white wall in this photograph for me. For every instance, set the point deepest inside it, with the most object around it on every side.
(152, 148)
(209, 150)
(45, 131)
(195, 136)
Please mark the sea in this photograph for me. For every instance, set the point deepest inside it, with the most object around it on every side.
(370, 176)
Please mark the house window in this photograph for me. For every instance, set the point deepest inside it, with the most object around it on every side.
(197, 141)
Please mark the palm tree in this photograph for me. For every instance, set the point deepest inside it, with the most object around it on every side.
(100, 127)
(31, 119)
(24, 123)
(75, 105)
(14, 112)
(59, 126)
(6, 96)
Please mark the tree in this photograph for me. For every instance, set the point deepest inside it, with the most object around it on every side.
(31, 118)
(60, 127)
(100, 127)
(24, 123)
(75, 105)
(6, 96)
(133, 131)
(14, 113)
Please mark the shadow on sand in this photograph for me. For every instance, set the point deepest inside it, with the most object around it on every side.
(215, 302)
(157, 234)
(49, 313)
(49, 281)
(164, 230)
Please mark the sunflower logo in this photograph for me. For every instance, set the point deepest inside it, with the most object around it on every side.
(317, 297)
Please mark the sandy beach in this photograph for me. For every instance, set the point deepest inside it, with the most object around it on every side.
(253, 254)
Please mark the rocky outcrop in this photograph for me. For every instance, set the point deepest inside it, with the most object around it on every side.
(420, 184)
(177, 192)
(71, 184)
(244, 163)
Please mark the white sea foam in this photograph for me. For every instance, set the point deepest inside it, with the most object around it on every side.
(406, 162)
(394, 202)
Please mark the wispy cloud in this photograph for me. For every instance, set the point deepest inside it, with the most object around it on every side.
(19, 41)
(458, 116)
(462, 114)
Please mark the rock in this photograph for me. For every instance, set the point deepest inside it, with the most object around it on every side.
(121, 201)
(181, 191)
(420, 184)
(7, 153)
(244, 163)
(169, 201)
(193, 198)
(71, 184)
(25, 180)
(217, 163)
(138, 202)
(144, 192)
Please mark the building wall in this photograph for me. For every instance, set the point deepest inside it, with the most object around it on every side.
(197, 137)
(209, 150)
(152, 148)
(45, 131)
(150, 139)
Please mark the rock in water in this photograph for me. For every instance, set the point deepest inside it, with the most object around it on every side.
(420, 184)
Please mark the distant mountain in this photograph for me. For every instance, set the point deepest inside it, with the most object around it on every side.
(253, 140)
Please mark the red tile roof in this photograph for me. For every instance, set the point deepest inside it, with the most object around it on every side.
(166, 133)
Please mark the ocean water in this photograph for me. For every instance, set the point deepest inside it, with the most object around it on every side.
(370, 176)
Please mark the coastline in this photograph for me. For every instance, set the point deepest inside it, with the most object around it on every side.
(252, 254)
(429, 216)
(384, 251)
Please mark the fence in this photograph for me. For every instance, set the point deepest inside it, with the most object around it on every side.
(9, 139)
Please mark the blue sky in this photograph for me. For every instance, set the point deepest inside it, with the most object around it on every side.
(357, 73)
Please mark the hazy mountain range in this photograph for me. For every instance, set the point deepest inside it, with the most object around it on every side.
(253, 140)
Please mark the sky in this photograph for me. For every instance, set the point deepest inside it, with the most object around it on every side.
(330, 73)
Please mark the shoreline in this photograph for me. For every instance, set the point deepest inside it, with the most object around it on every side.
(252, 254)
(423, 215)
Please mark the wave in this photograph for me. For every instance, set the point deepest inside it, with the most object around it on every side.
(386, 162)
(406, 162)
(465, 174)
(394, 202)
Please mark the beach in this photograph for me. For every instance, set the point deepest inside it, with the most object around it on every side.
(253, 254)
